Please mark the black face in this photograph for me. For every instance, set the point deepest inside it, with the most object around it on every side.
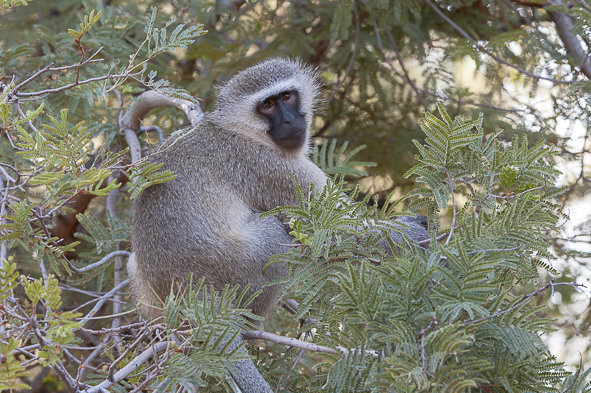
(288, 127)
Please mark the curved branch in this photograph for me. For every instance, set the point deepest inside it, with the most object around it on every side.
(484, 50)
(101, 262)
(152, 99)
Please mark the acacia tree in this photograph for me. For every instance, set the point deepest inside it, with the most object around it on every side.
(457, 313)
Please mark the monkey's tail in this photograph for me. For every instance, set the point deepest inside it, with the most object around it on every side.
(247, 377)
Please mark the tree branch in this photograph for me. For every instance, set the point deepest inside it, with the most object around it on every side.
(132, 366)
(522, 301)
(353, 55)
(152, 99)
(103, 300)
(259, 335)
(105, 259)
(401, 62)
(564, 27)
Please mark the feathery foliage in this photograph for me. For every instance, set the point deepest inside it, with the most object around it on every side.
(457, 316)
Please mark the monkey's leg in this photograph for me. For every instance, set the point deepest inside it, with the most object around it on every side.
(246, 377)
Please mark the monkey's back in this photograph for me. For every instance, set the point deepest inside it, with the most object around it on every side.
(205, 222)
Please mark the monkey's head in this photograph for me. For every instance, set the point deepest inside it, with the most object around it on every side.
(273, 102)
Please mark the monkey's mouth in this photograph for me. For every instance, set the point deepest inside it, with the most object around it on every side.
(292, 140)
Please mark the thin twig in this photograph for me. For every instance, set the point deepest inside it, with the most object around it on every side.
(353, 56)
(102, 301)
(112, 330)
(55, 69)
(516, 195)
(74, 84)
(401, 62)
(522, 301)
(427, 241)
(29, 122)
(422, 336)
(494, 250)
(124, 355)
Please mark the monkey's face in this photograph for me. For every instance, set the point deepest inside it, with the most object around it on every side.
(287, 124)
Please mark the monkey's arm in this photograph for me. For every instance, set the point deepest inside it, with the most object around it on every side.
(275, 187)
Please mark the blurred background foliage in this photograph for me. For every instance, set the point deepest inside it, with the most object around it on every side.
(382, 63)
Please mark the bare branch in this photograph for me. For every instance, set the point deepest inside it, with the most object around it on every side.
(133, 142)
(74, 84)
(401, 62)
(48, 68)
(516, 195)
(422, 336)
(117, 273)
(132, 366)
(494, 250)
(130, 121)
(124, 354)
(152, 128)
(259, 335)
(103, 300)
(105, 259)
(522, 301)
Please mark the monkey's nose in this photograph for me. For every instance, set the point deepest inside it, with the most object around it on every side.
(288, 118)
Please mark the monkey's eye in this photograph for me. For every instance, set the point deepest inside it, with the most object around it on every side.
(267, 107)
(286, 96)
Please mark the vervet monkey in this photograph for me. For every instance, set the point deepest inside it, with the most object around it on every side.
(235, 165)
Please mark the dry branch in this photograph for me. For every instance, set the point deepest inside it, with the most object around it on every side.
(132, 366)
(292, 342)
